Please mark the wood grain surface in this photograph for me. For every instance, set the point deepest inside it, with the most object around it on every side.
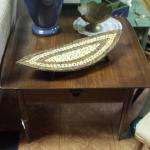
(127, 67)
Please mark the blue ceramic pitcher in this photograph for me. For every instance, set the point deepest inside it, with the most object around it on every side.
(44, 14)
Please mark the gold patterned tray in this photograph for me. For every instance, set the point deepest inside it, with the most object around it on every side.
(74, 56)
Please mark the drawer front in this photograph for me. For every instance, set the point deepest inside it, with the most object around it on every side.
(74, 96)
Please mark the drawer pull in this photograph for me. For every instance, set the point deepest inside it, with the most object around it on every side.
(76, 93)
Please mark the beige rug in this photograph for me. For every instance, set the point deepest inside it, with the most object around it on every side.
(77, 127)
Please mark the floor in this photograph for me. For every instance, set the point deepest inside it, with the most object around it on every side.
(78, 127)
(9, 140)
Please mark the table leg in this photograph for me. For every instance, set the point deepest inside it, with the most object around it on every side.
(137, 94)
(24, 114)
(1, 95)
(139, 146)
(145, 37)
(124, 123)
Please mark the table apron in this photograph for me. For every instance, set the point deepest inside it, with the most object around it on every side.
(74, 96)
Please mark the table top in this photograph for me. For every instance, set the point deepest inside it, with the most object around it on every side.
(127, 68)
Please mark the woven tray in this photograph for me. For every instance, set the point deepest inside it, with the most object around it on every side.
(75, 56)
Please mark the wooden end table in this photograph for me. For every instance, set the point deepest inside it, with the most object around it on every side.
(114, 81)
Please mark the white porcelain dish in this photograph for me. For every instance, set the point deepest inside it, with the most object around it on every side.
(109, 25)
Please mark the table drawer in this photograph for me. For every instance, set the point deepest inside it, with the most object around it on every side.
(73, 96)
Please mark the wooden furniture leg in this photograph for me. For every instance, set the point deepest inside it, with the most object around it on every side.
(145, 37)
(124, 124)
(137, 94)
(23, 114)
(139, 146)
(1, 95)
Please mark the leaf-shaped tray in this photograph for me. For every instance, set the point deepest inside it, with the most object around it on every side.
(75, 56)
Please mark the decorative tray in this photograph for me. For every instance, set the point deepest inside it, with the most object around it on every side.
(74, 56)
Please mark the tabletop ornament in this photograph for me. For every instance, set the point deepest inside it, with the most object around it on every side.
(95, 19)
(106, 26)
(94, 13)
(44, 14)
(74, 56)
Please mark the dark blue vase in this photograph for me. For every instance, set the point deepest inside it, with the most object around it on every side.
(44, 14)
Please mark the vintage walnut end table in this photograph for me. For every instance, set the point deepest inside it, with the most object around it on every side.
(114, 81)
